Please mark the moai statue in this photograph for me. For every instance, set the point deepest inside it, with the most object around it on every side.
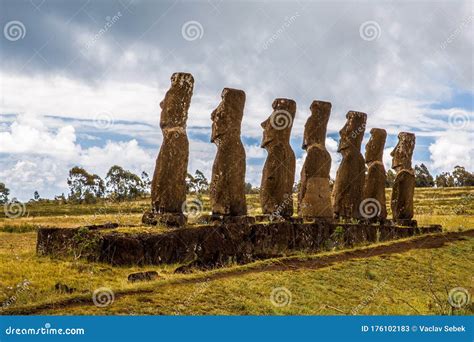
(350, 177)
(227, 190)
(374, 207)
(276, 190)
(168, 187)
(314, 197)
(404, 185)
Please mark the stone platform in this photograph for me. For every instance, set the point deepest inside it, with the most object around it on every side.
(209, 246)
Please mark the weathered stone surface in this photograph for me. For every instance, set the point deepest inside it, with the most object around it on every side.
(278, 176)
(121, 249)
(374, 207)
(404, 185)
(314, 197)
(350, 178)
(79, 242)
(210, 246)
(227, 191)
(168, 187)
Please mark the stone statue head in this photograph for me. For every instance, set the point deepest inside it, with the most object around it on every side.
(316, 125)
(403, 152)
(374, 148)
(175, 105)
(227, 117)
(353, 131)
(277, 128)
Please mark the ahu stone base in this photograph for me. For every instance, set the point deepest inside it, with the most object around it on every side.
(210, 246)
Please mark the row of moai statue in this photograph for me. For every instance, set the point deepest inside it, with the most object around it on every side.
(358, 191)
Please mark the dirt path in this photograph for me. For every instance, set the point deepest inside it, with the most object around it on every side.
(284, 264)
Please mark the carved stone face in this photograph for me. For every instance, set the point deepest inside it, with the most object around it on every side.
(277, 128)
(227, 117)
(316, 125)
(403, 152)
(353, 131)
(374, 148)
(175, 105)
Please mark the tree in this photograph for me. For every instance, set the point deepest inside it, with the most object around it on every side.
(296, 187)
(190, 183)
(200, 181)
(423, 178)
(146, 183)
(390, 179)
(248, 188)
(462, 177)
(36, 196)
(444, 180)
(123, 184)
(4, 192)
(61, 198)
(197, 183)
(83, 186)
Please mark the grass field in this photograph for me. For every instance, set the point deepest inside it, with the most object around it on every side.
(401, 281)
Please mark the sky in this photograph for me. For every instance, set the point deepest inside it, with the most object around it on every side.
(81, 81)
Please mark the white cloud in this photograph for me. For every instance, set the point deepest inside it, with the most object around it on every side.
(39, 159)
(451, 149)
(29, 135)
(126, 154)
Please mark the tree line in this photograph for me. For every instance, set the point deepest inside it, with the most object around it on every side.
(123, 185)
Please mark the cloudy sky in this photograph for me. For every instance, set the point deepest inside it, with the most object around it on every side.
(81, 81)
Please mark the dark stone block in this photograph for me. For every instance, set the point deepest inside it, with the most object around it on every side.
(142, 276)
(119, 249)
(214, 245)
